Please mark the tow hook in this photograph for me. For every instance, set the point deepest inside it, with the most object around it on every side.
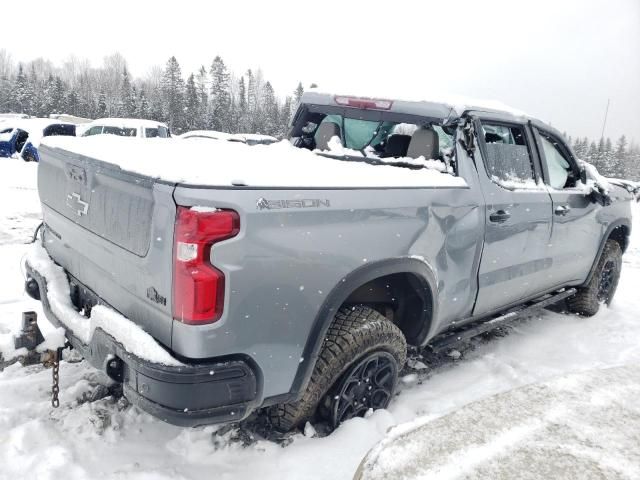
(29, 339)
(32, 288)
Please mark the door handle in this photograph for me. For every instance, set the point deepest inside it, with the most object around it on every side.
(500, 216)
(562, 210)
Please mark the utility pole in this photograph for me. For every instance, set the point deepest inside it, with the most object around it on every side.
(606, 112)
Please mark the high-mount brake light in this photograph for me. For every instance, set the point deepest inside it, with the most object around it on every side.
(198, 287)
(364, 103)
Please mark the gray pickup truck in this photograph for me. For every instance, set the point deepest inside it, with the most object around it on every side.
(302, 301)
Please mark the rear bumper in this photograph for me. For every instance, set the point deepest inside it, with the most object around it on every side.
(218, 391)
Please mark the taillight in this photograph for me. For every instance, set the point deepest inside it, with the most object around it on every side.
(364, 103)
(198, 287)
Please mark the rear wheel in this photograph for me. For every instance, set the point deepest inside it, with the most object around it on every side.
(357, 370)
(603, 284)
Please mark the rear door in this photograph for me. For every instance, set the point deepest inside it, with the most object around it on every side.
(574, 242)
(515, 260)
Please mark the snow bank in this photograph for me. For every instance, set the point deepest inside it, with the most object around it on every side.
(132, 337)
(201, 161)
(565, 424)
(7, 347)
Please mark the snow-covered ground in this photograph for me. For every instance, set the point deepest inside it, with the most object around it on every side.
(107, 439)
(582, 425)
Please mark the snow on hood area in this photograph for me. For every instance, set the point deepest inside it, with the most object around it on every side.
(93, 436)
(5, 137)
(203, 162)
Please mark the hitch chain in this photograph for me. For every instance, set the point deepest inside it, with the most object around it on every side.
(55, 388)
(53, 360)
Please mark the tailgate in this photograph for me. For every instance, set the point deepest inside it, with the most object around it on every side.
(112, 203)
(111, 230)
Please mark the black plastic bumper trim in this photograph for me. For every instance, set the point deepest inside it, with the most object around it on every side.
(218, 391)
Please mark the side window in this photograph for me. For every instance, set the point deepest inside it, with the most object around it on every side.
(508, 161)
(21, 140)
(97, 130)
(558, 166)
(150, 132)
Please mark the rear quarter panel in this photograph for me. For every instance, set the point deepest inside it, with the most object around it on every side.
(285, 261)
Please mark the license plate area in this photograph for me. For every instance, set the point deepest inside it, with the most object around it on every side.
(83, 298)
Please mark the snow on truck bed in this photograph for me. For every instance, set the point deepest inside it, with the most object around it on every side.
(219, 163)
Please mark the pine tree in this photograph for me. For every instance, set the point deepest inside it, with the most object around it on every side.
(621, 147)
(285, 118)
(22, 93)
(242, 96)
(244, 122)
(220, 96)
(172, 88)
(297, 94)
(72, 103)
(202, 80)
(269, 110)
(101, 110)
(5, 94)
(127, 103)
(251, 93)
(58, 97)
(192, 104)
(624, 167)
(142, 110)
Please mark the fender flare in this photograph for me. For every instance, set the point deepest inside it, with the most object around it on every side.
(341, 292)
(612, 226)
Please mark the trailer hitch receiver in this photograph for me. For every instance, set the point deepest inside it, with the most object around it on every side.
(29, 339)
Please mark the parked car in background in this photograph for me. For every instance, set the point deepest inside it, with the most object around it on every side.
(126, 127)
(209, 134)
(248, 138)
(255, 138)
(22, 137)
(64, 117)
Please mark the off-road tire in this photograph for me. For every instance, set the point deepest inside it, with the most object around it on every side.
(355, 332)
(585, 302)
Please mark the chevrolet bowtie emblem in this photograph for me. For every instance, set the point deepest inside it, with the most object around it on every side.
(75, 203)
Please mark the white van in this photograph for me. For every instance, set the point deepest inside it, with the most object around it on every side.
(127, 127)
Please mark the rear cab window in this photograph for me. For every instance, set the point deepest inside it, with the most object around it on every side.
(376, 137)
(507, 155)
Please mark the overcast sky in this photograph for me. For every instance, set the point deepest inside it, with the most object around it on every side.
(557, 60)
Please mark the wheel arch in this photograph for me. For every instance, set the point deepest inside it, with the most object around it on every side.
(620, 230)
(341, 292)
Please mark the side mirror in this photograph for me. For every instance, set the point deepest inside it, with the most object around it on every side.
(583, 175)
(598, 195)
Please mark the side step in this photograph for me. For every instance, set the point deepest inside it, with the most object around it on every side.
(448, 340)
